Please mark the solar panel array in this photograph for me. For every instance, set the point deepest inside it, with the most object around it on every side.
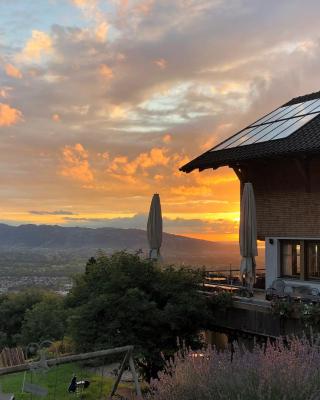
(279, 124)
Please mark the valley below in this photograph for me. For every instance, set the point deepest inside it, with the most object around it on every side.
(49, 257)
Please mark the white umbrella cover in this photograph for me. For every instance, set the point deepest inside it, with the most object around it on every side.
(154, 228)
(248, 235)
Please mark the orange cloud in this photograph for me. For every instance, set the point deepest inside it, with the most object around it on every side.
(161, 63)
(56, 118)
(91, 11)
(116, 164)
(167, 138)
(8, 115)
(102, 31)
(4, 92)
(117, 112)
(144, 7)
(158, 177)
(155, 157)
(38, 45)
(13, 71)
(82, 3)
(120, 165)
(76, 164)
(123, 6)
(104, 155)
(105, 71)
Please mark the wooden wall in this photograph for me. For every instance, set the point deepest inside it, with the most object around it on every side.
(287, 193)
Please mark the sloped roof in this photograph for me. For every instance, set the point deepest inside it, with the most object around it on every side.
(301, 141)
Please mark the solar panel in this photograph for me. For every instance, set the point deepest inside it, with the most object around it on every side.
(279, 124)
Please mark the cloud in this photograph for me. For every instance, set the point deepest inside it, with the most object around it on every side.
(38, 46)
(161, 63)
(144, 161)
(9, 115)
(105, 71)
(144, 7)
(5, 92)
(102, 31)
(167, 138)
(117, 112)
(93, 13)
(85, 3)
(56, 117)
(57, 212)
(75, 164)
(13, 71)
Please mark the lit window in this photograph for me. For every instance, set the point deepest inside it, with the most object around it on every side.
(313, 261)
(290, 258)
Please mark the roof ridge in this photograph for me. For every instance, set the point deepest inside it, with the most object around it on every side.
(303, 98)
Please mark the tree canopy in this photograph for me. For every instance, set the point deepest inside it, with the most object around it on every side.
(13, 307)
(45, 320)
(123, 299)
(31, 316)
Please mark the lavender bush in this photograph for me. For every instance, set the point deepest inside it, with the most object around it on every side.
(278, 371)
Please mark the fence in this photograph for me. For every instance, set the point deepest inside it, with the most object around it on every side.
(11, 357)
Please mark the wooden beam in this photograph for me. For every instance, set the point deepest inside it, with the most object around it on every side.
(120, 372)
(68, 359)
(303, 260)
(135, 377)
(239, 172)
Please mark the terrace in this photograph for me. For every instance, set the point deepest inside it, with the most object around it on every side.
(261, 314)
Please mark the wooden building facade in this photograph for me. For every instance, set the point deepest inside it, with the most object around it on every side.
(280, 155)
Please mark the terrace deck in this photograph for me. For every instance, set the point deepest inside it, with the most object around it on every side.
(253, 316)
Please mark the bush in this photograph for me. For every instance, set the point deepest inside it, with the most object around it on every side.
(278, 371)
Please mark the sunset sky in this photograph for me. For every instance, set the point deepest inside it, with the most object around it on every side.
(101, 102)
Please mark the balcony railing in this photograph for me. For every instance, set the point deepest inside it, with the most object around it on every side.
(229, 279)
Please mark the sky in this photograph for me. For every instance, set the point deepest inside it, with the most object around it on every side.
(101, 102)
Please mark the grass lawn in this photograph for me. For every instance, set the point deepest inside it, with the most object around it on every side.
(57, 381)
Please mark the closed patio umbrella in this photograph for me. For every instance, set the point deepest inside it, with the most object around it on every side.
(248, 236)
(154, 228)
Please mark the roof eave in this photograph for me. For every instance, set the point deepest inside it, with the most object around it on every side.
(191, 166)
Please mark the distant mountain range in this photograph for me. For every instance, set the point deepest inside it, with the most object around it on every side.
(86, 241)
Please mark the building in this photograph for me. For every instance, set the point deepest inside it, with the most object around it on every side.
(280, 155)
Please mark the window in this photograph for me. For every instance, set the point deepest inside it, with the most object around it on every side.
(290, 258)
(300, 259)
(313, 260)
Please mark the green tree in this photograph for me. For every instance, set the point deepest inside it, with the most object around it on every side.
(46, 320)
(123, 300)
(12, 310)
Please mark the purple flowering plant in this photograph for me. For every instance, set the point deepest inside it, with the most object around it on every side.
(283, 370)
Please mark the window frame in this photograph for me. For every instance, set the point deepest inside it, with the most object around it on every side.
(291, 242)
(304, 259)
(307, 244)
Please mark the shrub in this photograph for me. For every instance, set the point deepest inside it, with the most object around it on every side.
(220, 301)
(280, 371)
